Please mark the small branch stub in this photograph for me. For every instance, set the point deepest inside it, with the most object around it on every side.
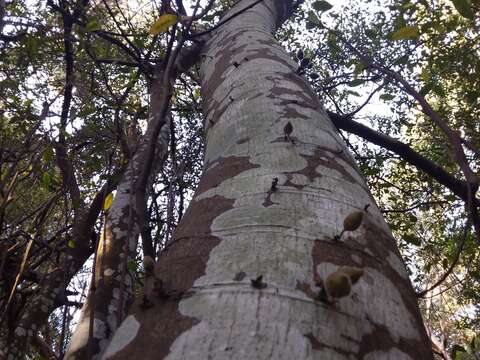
(258, 283)
(287, 131)
(274, 188)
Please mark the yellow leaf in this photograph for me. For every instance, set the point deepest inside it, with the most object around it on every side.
(163, 23)
(407, 32)
(107, 202)
(424, 75)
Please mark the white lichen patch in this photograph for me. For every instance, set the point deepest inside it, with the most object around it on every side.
(299, 180)
(259, 323)
(20, 331)
(112, 317)
(123, 336)
(80, 336)
(249, 336)
(116, 293)
(109, 272)
(356, 259)
(397, 264)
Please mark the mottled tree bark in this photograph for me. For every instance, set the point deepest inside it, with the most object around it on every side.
(239, 227)
(108, 300)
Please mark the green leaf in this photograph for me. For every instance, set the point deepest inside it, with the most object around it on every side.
(405, 33)
(425, 75)
(196, 94)
(46, 180)
(322, 5)
(407, 5)
(400, 22)
(47, 154)
(71, 244)
(32, 46)
(387, 97)
(472, 97)
(92, 25)
(464, 7)
(359, 67)
(475, 343)
(356, 82)
(313, 21)
(132, 266)
(370, 33)
(426, 89)
(163, 23)
(457, 352)
(438, 89)
(412, 239)
(76, 203)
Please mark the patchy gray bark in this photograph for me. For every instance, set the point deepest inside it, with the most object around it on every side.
(109, 299)
(239, 226)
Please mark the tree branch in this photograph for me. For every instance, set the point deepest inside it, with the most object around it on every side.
(458, 187)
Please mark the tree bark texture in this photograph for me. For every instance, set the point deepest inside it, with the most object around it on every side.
(239, 227)
(108, 300)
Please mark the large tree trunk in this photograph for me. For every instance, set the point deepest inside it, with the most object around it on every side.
(237, 227)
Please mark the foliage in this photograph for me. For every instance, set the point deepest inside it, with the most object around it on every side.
(432, 45)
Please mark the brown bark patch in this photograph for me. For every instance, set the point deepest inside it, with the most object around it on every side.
(317, 345)
(184, 260)
(380, 340)
(266, 53)
(160, 326)
(317, 159)
(225, 59)
(307, 290)
(292, 113)
(222, 169)
(290, 183)
(332, 252)
(331, 163)
(305, 96)
(181, 263)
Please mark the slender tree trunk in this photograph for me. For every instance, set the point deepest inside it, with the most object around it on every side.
(108, 299)
(239, 227)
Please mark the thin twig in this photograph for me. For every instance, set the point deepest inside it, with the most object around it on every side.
(220, 23)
